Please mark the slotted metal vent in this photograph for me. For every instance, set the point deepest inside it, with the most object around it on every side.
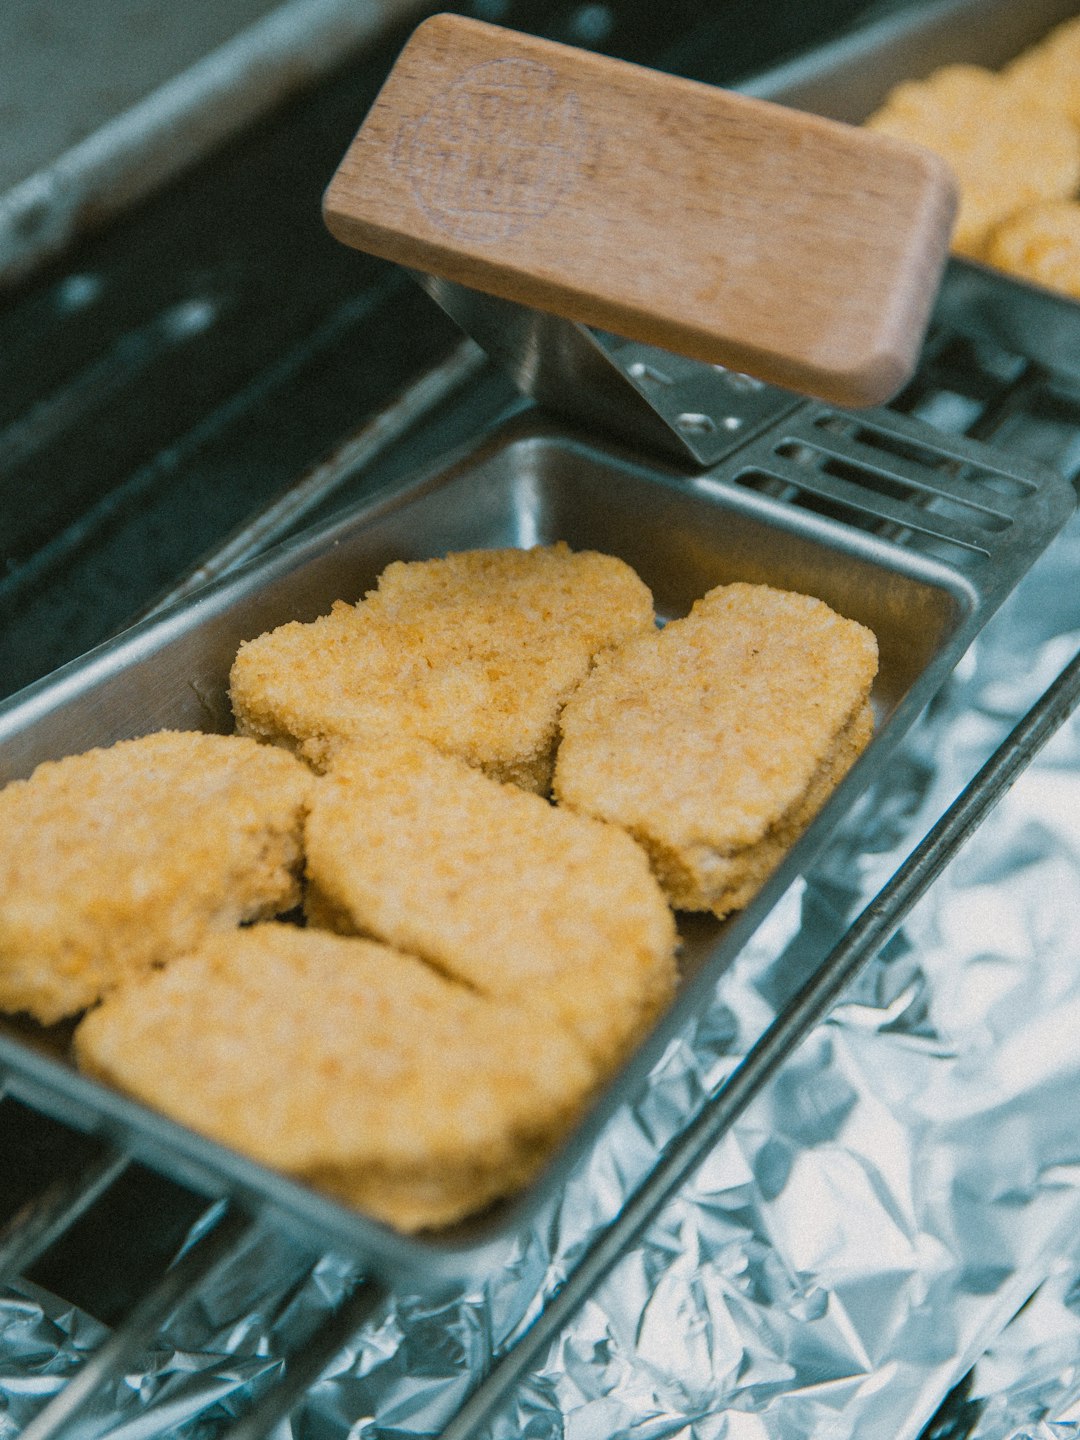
(955, 499)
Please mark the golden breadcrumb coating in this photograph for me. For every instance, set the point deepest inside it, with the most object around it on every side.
(492, 885)
(1041, 243)
(475, 652)
(1048, 73)
(116, 860)
(1007, 148)
(715, 740)
(346, 1064)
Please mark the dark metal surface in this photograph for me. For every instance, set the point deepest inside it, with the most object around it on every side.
(179, 370)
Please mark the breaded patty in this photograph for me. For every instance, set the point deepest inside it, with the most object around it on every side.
(1041, 243)
(1006, 148)
(116, 860)
(475, 652)
(715, 740)
(1048, 73)
(548, 910)
(346, 1064)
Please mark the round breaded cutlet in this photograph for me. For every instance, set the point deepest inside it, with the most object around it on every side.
(716, 740)
(1006, 148)
(491, 884)
(114, 861)
(1048, 72)
(345, 1064)
(1041, 243)
(475, 652)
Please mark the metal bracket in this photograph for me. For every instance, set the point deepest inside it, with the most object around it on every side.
(684, 409)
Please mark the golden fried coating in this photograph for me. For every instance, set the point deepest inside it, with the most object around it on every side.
(715, 740)
(552, 911)
(1041, 243)
(1006, 148)
(345, 1064)
(1048, 73)
(114, 861)
(475, 652)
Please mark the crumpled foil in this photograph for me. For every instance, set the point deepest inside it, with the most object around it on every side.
(896, 1213)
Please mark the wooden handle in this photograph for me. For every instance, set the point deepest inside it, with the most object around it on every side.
(724, 228)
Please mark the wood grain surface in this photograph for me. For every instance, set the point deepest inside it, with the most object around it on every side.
(728, 229)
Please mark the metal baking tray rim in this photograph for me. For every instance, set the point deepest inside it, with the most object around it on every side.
(443, 1259)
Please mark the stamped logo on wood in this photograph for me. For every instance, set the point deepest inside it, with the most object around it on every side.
(496, 150)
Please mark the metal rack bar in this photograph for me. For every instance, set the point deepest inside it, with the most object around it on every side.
(68, 1409)
(30, 1233)
(304, 1369)
(869, 932)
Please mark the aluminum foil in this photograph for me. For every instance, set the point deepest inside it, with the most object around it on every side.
(897, 1212)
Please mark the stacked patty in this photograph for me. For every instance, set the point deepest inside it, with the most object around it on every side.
(716, 740)
(347, 1064)
(475, 652)
(551, 911)
(115, 861)
(1012, 138)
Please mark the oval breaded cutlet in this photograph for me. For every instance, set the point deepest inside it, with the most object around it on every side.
(1042, 244)
(347, 1065)
(1007, 147)
(1049, 72)
(492, 885)
(716, 740)
(475, 652)
(116, 860)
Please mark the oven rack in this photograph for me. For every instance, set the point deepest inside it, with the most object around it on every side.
(961, 386)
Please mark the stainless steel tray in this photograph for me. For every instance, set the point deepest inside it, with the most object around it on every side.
(849, 79)
(917, 535)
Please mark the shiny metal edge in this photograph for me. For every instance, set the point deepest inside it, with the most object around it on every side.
(687, 410)
(138, 150)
